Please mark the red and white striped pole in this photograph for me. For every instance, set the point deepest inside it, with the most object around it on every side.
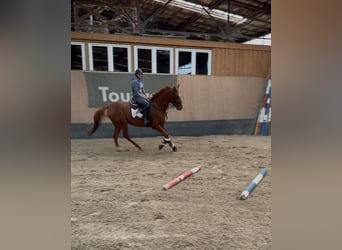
(182, 177)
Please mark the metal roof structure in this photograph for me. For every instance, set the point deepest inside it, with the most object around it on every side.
(219, 20)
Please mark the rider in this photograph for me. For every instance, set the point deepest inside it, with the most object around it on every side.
(138, 93)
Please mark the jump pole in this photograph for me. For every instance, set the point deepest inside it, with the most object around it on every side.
(182, 177)
(253, 184)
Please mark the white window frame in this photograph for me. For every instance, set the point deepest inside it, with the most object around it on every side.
(193, 58)
(109, 55)
(154, 57)
(82, 53)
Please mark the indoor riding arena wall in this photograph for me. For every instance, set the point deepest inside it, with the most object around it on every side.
(211, 104)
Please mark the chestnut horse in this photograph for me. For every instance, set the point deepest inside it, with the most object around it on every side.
(120, 114)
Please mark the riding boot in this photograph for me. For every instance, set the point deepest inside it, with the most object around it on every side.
(146, 115)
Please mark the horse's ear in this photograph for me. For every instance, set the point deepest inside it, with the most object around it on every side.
(177, 86)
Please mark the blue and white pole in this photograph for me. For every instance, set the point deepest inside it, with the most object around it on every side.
(253, 184)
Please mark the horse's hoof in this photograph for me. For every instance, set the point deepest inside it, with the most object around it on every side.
(174, 149)
(161, 146)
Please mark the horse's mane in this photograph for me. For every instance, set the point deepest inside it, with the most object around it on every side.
(160, 92)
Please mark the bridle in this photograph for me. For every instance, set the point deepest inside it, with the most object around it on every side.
(177, 102)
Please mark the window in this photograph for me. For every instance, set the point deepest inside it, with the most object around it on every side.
(184, 63)
(154, 59)
(109, 57)
(193, 62)
(78, 56)
(100, 58)
(163, 61)
(144, 57)
(202, 63)
(121, 59)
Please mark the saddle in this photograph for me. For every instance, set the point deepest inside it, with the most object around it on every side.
(136, 109)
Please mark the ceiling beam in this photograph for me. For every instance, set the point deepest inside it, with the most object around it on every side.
(116, 3)
(193, 18)
(264, 6)
(91, 13)
(134, 17)
(156, 13)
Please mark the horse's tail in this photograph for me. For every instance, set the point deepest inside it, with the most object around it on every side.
(98, 117)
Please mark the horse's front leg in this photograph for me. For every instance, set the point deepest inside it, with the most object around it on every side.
(166, 139)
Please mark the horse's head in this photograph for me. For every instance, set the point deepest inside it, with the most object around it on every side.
(167, 95)
(176, 99)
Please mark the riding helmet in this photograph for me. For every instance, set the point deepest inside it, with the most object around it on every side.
(138, 71)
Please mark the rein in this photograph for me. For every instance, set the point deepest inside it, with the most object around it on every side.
(160, 110)
(159, 94)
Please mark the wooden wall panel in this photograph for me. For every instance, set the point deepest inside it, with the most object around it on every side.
(157, 40)
(236, 62)
(80, 113)
(233, 91)
(204, 98)
(218, 98)
(230, 59)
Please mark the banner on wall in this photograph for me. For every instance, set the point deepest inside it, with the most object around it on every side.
(106, 87)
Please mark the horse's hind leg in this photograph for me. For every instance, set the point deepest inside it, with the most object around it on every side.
(116, 135)
(125, 133)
